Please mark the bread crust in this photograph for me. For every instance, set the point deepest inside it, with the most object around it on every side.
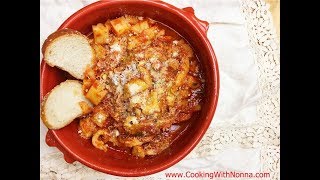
(58, 34)
(55, 36)
(43, 106)
(42, 111)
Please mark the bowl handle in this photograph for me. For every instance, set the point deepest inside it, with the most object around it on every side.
(51, 141)
(204, 25)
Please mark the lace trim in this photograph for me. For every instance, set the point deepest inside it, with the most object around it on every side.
(265, 43)
(264, 133)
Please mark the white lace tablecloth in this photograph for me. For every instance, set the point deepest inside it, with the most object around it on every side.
(244, 135)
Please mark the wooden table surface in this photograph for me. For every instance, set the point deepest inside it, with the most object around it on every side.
(275, 10)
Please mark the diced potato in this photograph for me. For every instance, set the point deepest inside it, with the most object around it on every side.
(144, 25)
(137, 112)
(88, 79)
(130, 122)
(100, 33)
(85, 107)
(131, 19)
(150, 33)
(170, 99)
(138, 151)
(136, 28)
(135, 86)
(152, 104)
(135, 100)
(87, 83)
(100, 118)
(133, 42)
(145, 75)
(87, 128)
(100, 51)
(90, 73)
(96, 93)
(139, 27)
(149, 52)
(120, 25)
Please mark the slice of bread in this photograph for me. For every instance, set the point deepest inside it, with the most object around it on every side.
(63, 104)
(68, 50)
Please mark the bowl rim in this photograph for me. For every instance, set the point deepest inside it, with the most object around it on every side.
(216, 84)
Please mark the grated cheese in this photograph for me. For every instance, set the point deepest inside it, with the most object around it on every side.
(175, 54)
(133, 119)
(123, 79)
(119, 89)
(100, 118)
(153, 59)
(135, 99)
(148, 65)
(115, 47)
(134, 88)
(115, 133)
(140, 55)
(129, 72)
(115, 79)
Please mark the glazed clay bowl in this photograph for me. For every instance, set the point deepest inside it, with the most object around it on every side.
(115, 162)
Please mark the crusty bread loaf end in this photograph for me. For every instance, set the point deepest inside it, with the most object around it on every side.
(63, 104)
(68, 50)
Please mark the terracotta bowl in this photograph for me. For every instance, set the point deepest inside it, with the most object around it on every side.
(188, 26)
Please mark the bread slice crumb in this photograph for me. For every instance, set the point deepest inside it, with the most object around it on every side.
(63, 104)
(68, 50)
